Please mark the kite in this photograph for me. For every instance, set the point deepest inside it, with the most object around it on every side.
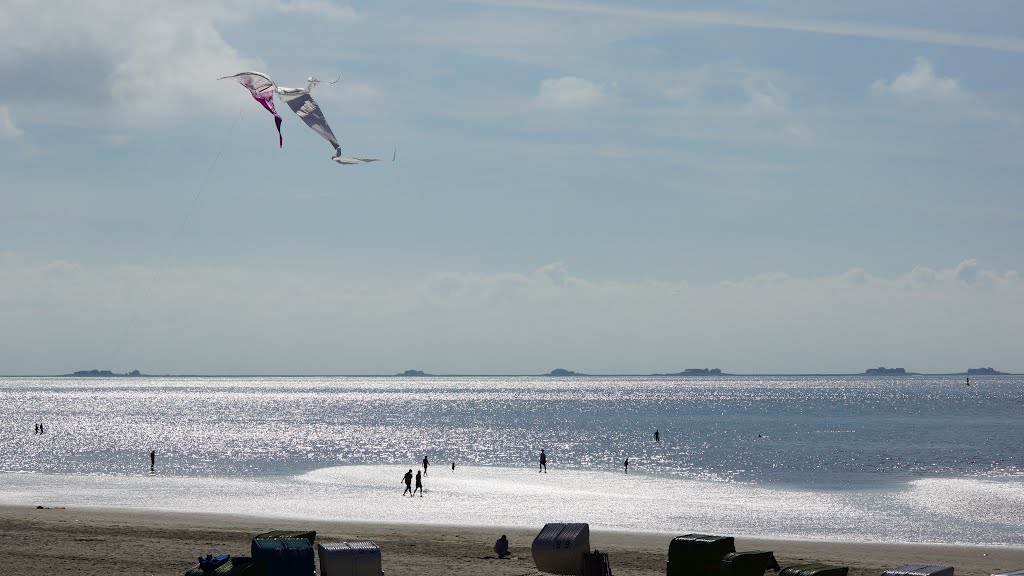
(302, 103)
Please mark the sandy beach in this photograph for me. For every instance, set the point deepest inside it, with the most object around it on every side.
(85, 541)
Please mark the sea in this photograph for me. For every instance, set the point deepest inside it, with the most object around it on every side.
(922, 459)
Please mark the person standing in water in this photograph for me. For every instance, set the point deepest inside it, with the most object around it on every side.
(625, 465)
(408, 482)
(419, 485)
(543, 462)
(152, 460)
(425, 464)
(657, 436)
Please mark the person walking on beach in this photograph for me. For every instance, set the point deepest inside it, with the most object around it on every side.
(625, 465)
(543, 462)
(419, 485)
(657, 436)
(425, 464)
(453, 467)
(152, 460)
(408, 482)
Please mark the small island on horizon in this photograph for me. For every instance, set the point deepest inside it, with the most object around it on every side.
(563, 372)
(984, 371)
(697, 372)
(106, 373)
(883, 371)
(413, 373)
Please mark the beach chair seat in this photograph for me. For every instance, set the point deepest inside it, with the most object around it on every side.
(748, 563)
(698, 554)
(814, 569)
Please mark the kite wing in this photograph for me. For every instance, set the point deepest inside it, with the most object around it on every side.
(262, 89)
(301, 102)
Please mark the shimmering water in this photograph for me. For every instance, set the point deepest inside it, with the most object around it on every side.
(851, 458)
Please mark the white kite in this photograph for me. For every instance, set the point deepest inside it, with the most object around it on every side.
(301, 102)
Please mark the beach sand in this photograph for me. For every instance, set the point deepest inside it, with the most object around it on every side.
(86, 541)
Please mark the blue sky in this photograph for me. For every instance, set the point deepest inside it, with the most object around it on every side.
(608, 187)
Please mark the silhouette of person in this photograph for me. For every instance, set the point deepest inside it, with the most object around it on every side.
(543, 462)
(501, 547)
(657, 436)
(425, 464)
(41, 431)
(419, 485)
(453, 466)
(152, 460)
(36, 429)
(408, 482)
(626, 465)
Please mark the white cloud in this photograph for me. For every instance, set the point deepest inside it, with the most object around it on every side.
(919, 83)
(569, 93)
(146, 63)
(7, 127)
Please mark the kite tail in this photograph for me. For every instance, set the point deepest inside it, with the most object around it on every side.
(280, 139)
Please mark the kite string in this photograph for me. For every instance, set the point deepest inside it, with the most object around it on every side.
(177, 234)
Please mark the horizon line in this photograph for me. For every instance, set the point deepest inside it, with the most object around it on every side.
(498, 375)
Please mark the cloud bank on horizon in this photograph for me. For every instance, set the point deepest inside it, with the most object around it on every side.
(815, 189)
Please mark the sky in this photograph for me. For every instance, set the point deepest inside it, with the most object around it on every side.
(606, 187)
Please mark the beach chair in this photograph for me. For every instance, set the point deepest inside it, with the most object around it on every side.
(697, 554)
(749, 563)
(919, 570)
(814, 569)
(284, 556)
(349, 559)
(559, 548)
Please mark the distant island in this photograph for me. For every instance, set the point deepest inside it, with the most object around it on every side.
(563, 372)
(883, 371)
(413, 373)
(697, 372)
(984, 371)
(107, 373)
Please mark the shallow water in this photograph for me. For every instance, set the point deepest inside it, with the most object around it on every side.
(922, 459)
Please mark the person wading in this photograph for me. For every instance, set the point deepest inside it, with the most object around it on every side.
(408, 482)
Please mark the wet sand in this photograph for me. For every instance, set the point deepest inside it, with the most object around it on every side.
(87, 541)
